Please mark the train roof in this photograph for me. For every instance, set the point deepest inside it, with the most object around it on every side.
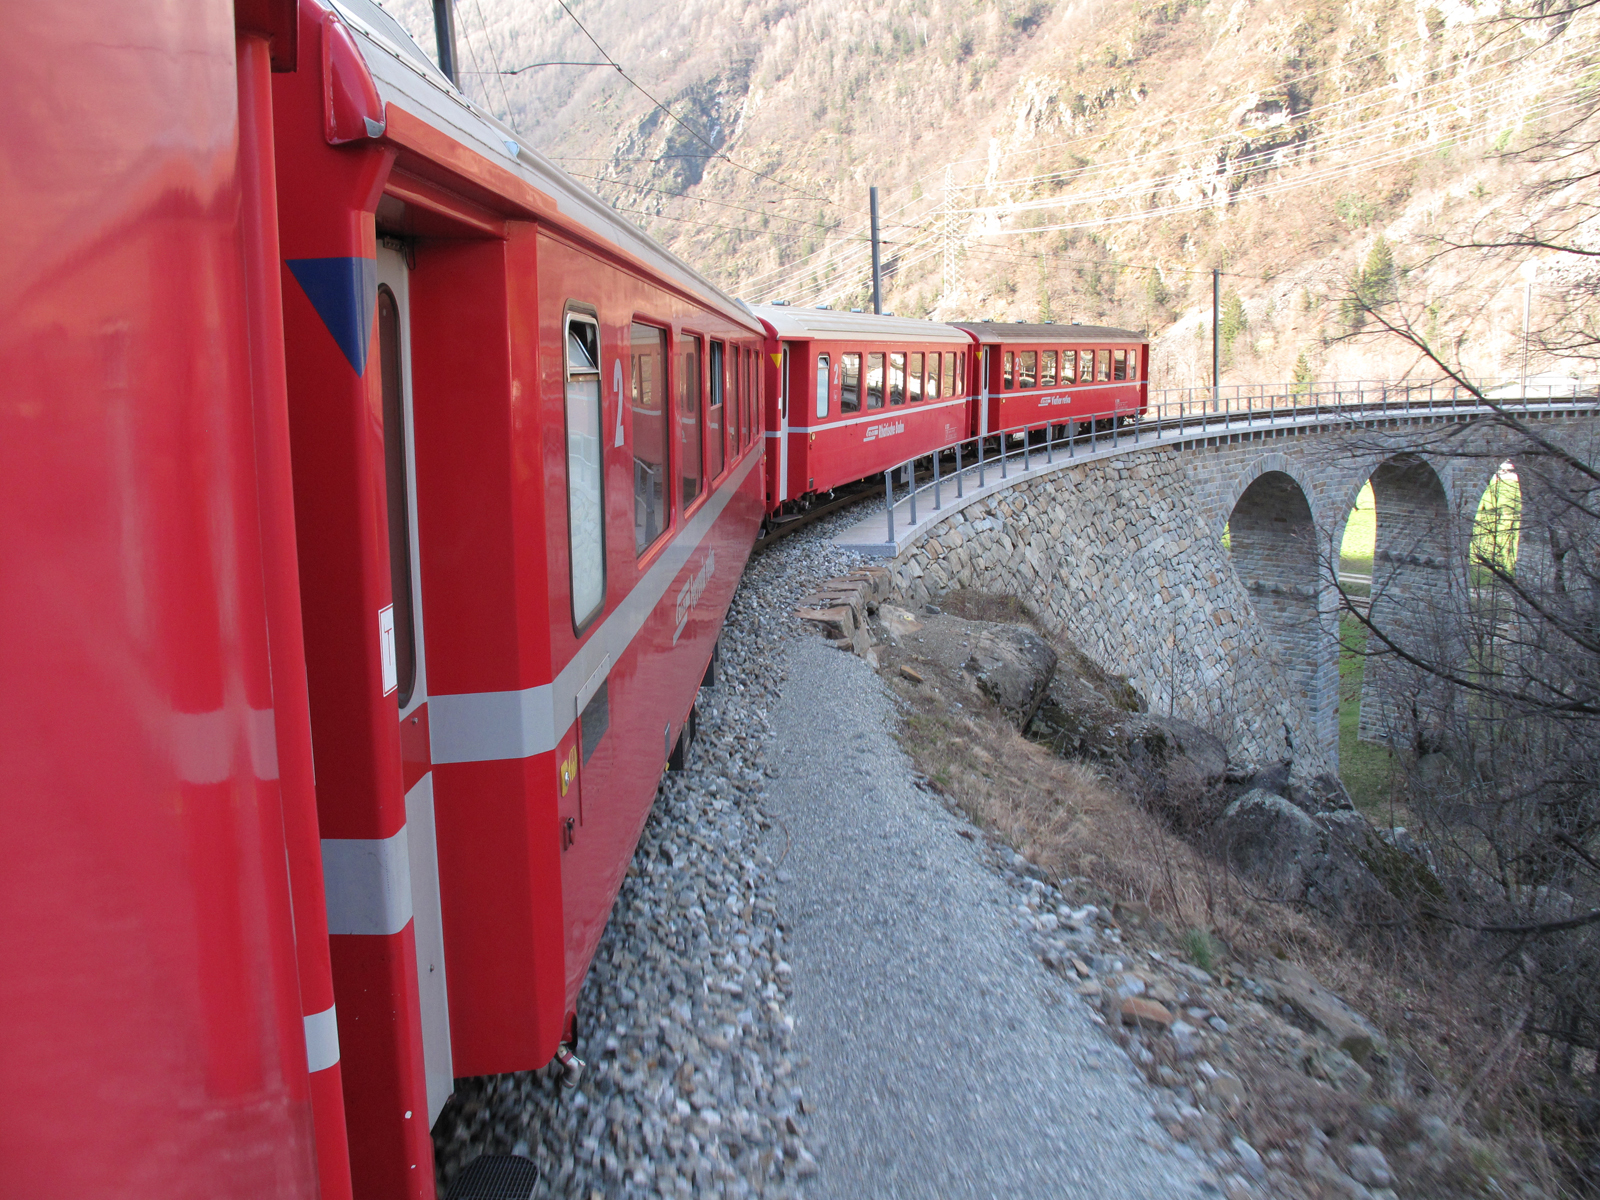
(409, 79)
(1018, 331)
(829, 325)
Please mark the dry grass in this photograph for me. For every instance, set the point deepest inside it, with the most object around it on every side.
(1446, 1023)
(1068, 819)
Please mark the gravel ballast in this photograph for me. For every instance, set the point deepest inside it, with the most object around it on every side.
(812, 983)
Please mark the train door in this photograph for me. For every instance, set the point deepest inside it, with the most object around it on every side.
(783, 424)
(405, 667)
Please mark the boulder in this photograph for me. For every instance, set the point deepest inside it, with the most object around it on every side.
(1319, 793)
(1342, 1025)
(1207, 754)
(897, 622)
(1335, 861)
(1013, 666)
(1271, 841)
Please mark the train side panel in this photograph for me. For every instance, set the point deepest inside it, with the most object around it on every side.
(150, 958)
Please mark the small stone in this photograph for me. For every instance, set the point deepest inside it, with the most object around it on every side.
(1227, 1091)
(1253, 1166)
(1218, 1024)
(1148, 1014)
(907, 673)
(1369, 1166)
(1082, 968)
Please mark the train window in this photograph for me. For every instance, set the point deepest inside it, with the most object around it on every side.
(1028, 369)
(585, 500)
(933, 390)
(688, 423)
(897, 378)
(1133, 363)
(1069, 366)
(849, 383)
(1008, 370)
(716, 410)
(398, 493)
(874, 381)
(914, 379)
(1047, 369)
(752, 400)
(1086, 366)
(1119, 364)
(1105, 366)
(648, 399)
(824, 366)
(734, 411)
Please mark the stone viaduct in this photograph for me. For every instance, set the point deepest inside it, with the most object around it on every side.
(1197, 562)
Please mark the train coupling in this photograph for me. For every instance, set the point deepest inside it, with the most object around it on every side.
(571, 1066)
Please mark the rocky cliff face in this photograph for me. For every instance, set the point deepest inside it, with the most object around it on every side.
(1070, 161)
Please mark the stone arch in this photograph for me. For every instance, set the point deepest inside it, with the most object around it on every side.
(1242, 482)
(1272, 537)
(1415, 563)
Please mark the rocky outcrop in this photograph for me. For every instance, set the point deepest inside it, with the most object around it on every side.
(1096, 551)
(1334, 861)
(1013, 666)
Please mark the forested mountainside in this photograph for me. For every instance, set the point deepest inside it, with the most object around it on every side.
(1089, 161)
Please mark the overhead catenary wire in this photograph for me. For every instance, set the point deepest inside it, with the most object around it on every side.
(1392, 156)
(689, 129)
(623, 183)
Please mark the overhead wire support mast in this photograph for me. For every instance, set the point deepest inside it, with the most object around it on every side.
(877, 262)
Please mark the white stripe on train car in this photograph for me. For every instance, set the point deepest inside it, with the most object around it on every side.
(368, 883)
(907, 409)
(492, 726)
(322, 1040)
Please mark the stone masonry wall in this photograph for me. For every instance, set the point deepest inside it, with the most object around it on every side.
(1117, 555)
(1124, 555)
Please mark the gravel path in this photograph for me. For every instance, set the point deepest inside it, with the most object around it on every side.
(811, 985)
(943, 1059)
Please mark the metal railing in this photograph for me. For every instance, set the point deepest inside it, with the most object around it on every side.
(1178, 414)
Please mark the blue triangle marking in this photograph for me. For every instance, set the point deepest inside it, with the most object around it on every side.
(344, 291)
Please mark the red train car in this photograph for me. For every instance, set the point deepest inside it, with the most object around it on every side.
(344, 432)
(851, 395)
(155, 762)
(1029, 376)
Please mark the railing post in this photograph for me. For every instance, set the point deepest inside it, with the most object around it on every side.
(888, 501)
(913, 485)
(1049, 444)
(1003, 474)
(937, 455)
(959, 470)
(980, 460)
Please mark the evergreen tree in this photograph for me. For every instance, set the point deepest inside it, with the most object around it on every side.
(1377, 280)
(1302, 375)
(1234, 320)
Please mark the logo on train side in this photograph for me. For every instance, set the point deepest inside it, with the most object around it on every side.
(689, 594)
(887, 429)
(1061, 398)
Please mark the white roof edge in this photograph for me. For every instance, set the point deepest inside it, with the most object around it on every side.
(832, 326)
(407, 78)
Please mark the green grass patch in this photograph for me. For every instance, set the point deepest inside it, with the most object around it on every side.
(1495, 531)
(1364, 768)
(1360, 537)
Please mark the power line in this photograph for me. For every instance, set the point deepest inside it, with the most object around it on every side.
(695, 199)
(692, 132)
(795, 237)
(494, 57)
